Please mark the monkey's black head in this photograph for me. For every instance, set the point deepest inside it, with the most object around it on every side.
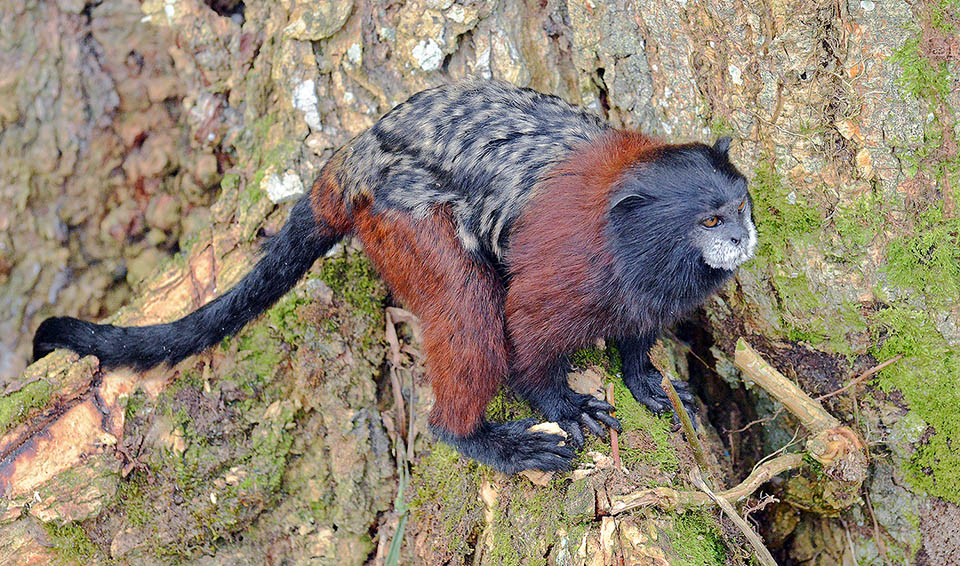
(681, 223)
(689, 196)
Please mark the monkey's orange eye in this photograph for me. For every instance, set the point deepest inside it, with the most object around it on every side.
(743, 204)
(711, 222)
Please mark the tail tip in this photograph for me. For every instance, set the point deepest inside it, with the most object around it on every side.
(53, 333)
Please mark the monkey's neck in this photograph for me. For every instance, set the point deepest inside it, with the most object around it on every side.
(648, 299)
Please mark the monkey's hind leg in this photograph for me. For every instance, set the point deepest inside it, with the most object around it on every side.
(459, 299)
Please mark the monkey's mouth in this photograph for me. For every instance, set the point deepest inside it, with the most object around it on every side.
(724, 254)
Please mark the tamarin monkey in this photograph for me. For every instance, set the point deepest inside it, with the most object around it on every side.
(519, 229)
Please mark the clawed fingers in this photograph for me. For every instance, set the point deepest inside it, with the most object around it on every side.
(592, 425)
(598, 405)
(574, 434)
(609, 420)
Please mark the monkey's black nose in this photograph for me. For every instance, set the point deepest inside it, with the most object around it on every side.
(736, 241)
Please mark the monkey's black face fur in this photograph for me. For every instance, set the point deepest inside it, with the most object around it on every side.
(702, 232)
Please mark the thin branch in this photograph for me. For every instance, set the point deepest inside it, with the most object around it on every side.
(668, 498)
(811, 414)
(688, 430)
(759, 549)
(862, 377)
(614, 444)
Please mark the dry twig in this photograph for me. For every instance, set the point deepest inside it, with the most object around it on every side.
(614, 444)
(759, 549)
(862, 377)
(687, 424)
(668, 498)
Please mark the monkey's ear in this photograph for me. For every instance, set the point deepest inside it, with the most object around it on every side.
(625, 196)
(722, 146)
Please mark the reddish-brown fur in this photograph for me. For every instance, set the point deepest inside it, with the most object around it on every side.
(459, 301)
(326, 198)
(559, 257)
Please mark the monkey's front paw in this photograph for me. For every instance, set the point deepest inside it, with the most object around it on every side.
(649, 393)
(580, 411)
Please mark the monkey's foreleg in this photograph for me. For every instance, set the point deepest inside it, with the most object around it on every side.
(510, 447)
(643, 379)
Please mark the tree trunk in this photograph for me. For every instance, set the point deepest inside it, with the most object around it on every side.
(133, 133)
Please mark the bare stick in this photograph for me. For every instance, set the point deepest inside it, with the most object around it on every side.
(811, 414)
(395, 363)
(835, 446)
(614, 444)
(687, 424)
(668, 499)
(759, 549)
(862, 377)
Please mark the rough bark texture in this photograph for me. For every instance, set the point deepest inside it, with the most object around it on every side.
(129, 132)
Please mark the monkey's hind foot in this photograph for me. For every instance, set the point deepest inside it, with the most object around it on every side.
(648, 392)
(510, 448)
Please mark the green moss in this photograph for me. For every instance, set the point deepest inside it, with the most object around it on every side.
(134, 404)
(944, 14)
(797, 298)
(507, 406)
(697, 541)
(607, 359)
(445, 496)
(15, 406)
(782, 215)
(71, 543)
(353, 278)
(858, 225)
(925, 265)
(635, 417)
(284, 318)
(720, 127)
(527, 525)
(928, 261)
(130, 499)
(632, 415)
(927, 377)
(920, 77)
(263, 345)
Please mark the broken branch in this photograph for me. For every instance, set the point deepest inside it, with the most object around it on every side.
(669, 499)
(759, 549)
(811, 413)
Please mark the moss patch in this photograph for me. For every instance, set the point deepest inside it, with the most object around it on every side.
(17, 405)
(507, 406)
(527, 524)
(928, 261)
(697, 541)
(445, 501)
(927, 377)
(353, 278)
(655, 449)
(71, 543)
(783, 215)
(924, 266)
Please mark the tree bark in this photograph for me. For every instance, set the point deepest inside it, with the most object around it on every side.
(283, 443)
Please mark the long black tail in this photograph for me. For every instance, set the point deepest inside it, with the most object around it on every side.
(287, 257)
